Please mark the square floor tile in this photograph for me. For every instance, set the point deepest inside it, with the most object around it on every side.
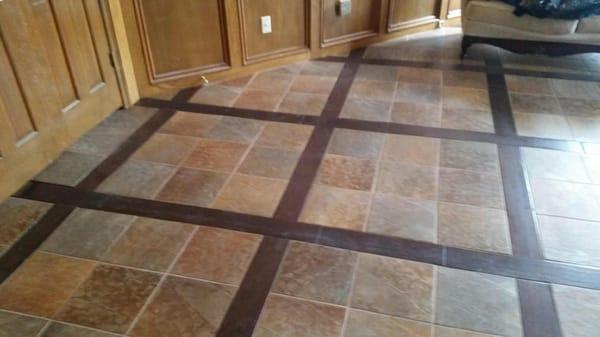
(126, 120)
(478, 302)
(347, 172)
(412, 150)
(251, 195)
(322, 68)
(535, 104)
(420, 75)
(542, 125)
(569, 240)
(271, 81)
(99, 142)
(87, 233)
(137, 179)
(367, 324)
(190, 124)
(585, 128)
(466, 99)
(64, 330)
(70, 168)
(13, 325)
(360, 144)
(575, 107)
(184, 307)
(473, 228)
(285, 316)
(259, 99)
(575, 89)
(394, 287)
(418, 93)
(218, 255)
(471, 188)
(17, 215)
(166, 149)
(367, 109)
(193, 187)
(216, 155)
(375, 90)
(238, 82)
(303, 104)
(480, 157)
(236, 129)
(571, 200)
(109, 299)
(408, 218)
(336, 207)
(377, 73)
(270, 162)
(150, 244)
(529, 85)
(578, 310)
(285, 136)
(411, 181)
(316, 272)
(442, 331)
(417, 114)
(216, 95)
(465, 79)
(471, 120)
(309, 84)
(557, 165)
(43, 284)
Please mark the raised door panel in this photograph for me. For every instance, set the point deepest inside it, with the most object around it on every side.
(182, 38)
(362, 22)
(411, 13)
(289, 28)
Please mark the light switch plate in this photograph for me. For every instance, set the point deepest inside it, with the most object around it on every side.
(343, 7)
(265, 23)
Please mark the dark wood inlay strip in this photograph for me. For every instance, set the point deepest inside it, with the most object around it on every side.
(537, 301)
(504, 122)
(43, 228)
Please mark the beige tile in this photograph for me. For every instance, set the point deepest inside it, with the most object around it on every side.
(360, 144)
(572, 241)
(394, 287)
(236, 129)
(572, 200)
(259, 99)
(336, 207)
(465, 79)
(271, 81)
(471, 120)
(216, 155)
(366, 324)
(216, 95)
(367, 109)
(193, 187)
(377, 73)
(592, 164)
(417, 114)
(578, 310)
(375, 90)
(190, 124)
(542, 125)
(419, 75)
(407, 180)
(284, 136)
(480, 157)
(251, 195)
(412, 150)
(13, 325)
(557, 165)
(575, 89)
(313, 84)
(442, 331)
(585, 128)
(269, 162)
(63, 330)
(321, 68)
(166, 149)
(535, 104)
(580, 107)
(465, 99)
(418, 93)
(303, 104)
(238, 82)
(347, 172)
(471, 188)
(529, 85)
(137, 179)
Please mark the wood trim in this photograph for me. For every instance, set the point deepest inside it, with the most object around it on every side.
(343, 38)
(396, 26)
(454, 13)
(155, 77)
(251, 59)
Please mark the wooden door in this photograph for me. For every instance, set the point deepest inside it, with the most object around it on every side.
(56, 81)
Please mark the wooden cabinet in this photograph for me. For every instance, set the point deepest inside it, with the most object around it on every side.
(404, 14)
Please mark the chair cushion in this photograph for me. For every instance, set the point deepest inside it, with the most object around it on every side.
(589, 25)
(499, 13)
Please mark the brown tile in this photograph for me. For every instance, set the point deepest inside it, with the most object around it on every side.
(216, 95)
(418, 93)
(218, 255)
(580, 107)
(569, 240)
(190, 124)
(471, 120)
(347, 172)
(577, 310)
(360, 144)
(313, 84)
(363, 324)
(419, 75)
(316, 272)
(394, 215)
(335, 207)
(284, 316)
(17, 215)
(238, 82)
(529, 85)
(412, 150)
(542, 125)
(109, 299)
(270, 162)
(216, 155)
(99, 142)
(481, 157)
(557, 165)
(466, 99)
(375, 90)
(465, 79)
(585, 128)
(411, 181)
(571, 200)
(321, 68)
(137, 179)
(13, 325)
(63, 330)
(284, 136)
(377, 73)
(185, 307)
(251, 195)
(70, 168)
(43, 284)
(471, 188)
(272, 81)
(235, 129)
(259, 99)
(87, 233)
(473, 228)
(366, 109)
(417, 114)
(193, 187)
(394, 287)
(166, 149)
(150, 244)
(535, 104)
(303, 104)
(575, 89)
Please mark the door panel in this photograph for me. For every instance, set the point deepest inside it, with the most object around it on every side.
(56, 81)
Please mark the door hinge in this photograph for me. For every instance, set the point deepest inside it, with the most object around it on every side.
(111, 58)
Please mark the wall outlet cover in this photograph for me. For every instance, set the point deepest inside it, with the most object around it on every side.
(265, 23)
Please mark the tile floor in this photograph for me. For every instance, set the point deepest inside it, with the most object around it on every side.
(102, 274)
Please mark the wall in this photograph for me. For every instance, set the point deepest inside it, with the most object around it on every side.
(173, 43)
